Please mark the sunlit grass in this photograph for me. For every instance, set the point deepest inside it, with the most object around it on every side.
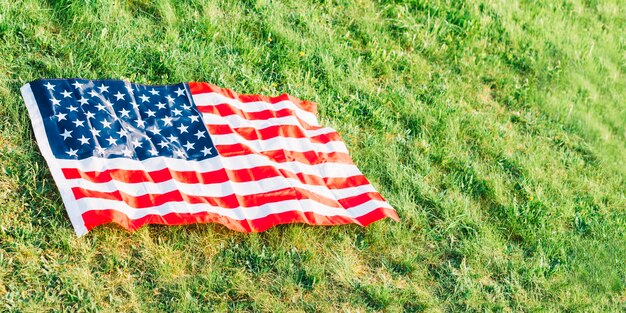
(495, 128)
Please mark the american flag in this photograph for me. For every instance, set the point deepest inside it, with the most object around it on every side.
(136, 154)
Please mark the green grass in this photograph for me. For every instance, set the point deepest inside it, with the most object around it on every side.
(497, 129)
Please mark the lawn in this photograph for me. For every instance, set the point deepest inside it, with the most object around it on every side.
(497, 129)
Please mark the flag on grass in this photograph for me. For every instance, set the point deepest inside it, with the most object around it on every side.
(194, 153)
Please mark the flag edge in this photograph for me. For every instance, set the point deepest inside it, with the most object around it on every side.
(46, 151)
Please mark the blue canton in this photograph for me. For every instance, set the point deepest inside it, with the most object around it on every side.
(118, 119)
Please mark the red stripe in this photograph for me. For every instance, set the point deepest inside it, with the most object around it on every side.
(198, 88)
(280, 156)
(218, 176)
(290, 131)
(229, 202)
(98, 217)
(225, 109)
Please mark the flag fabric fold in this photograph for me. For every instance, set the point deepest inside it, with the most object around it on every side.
(188, 153)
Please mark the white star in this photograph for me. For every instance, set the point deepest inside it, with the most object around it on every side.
(207, 151)
(163, 144)
(180, 153)
(77, 85)
(66, 134)
(93, 93)
(83, 101)
(188, 146)
(78, 123)
(124, 112)
(180, 92)
(167, 121)
(55, 101)
(194, 118)
(119, 96)
(123, 132)
(153, 92)
(144, 98)
(83, 140)
(135, 105)
(89, 115)
(72, 108)
(95, 132)
(140, 123)
(199, 134)
(111, 140)
(150, 113)
(136, 143)
(106, 124)
(100, 107)
(129, 87)
(100, 150)
(186, 107)
(153, 151)
(171, 138)
(66, 94)
(103, 88)
(61, 116)
(169, 98)
(182, 128)
(49, 86)
(177, 112)
(155, 130)
(127, 152)
(72, 152)
(160, 105)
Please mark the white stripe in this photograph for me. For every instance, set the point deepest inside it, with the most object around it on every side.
(250, 213)
(236, 121)
(281, 143)
(325, 170)
(218, 189)
(214, 98)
